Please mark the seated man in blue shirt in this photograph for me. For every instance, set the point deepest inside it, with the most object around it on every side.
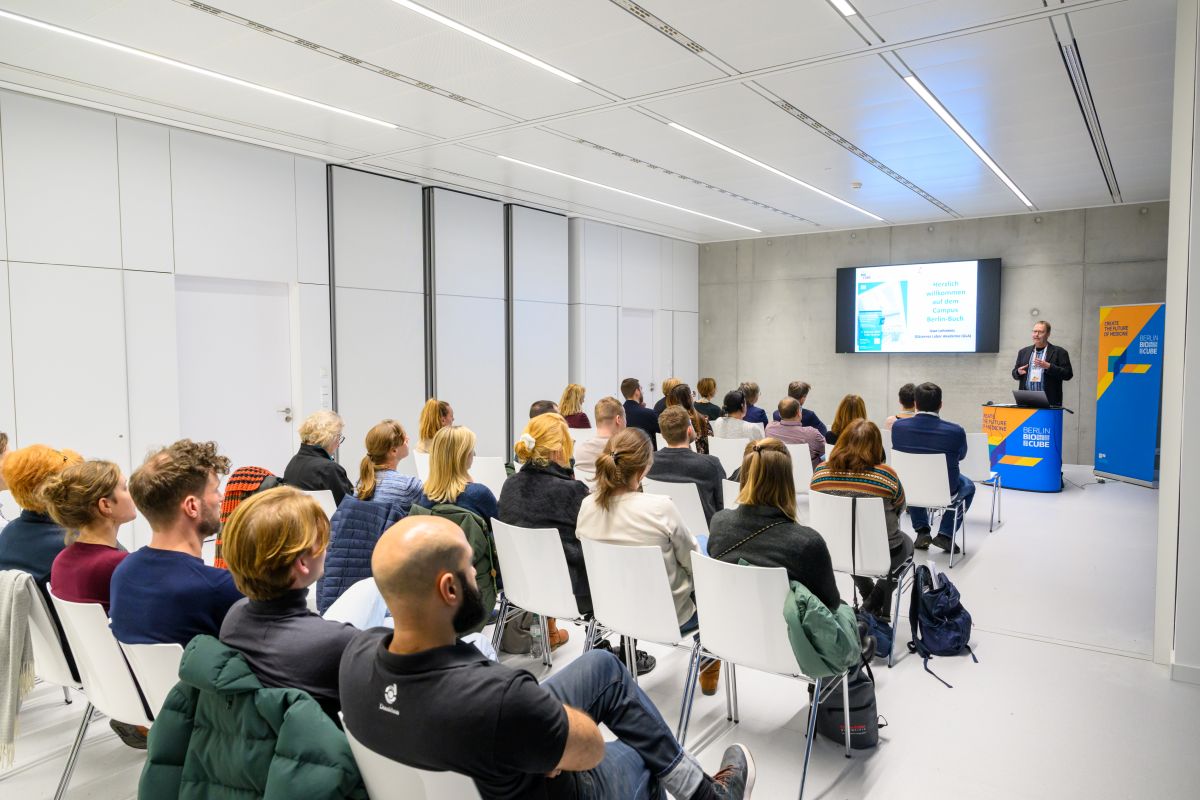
(164, 592)
(927, 432)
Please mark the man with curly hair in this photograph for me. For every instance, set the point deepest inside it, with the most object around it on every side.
(164, 592)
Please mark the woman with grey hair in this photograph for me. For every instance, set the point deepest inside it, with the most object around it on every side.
(313, 467)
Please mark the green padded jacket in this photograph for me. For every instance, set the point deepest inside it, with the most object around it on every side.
(824, 642)
(487, 574)
(220, 734)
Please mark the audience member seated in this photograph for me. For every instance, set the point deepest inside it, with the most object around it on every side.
(789, 429)
(421, 696)
(539, 407)
(667, 386)
(610, 420)
(908, 405)
(851, 408)
(636, 413)
(313, 467)
(856, 469)
(763, 529)
(754, 414)
(275, 545)
(707, 389)
(545, 494)
(164, 592)
(242, 484)
(799, 390)
(378, 480)
(355, 528)
(450, 460)
(733, 425)
(435, 415)
(33, 540)
(676, 463)
(90, 501)
(570, 406)
(927, 432)
(681, 396)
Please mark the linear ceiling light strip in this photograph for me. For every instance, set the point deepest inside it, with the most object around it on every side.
(627, 193)
(844, 7)
(36, 23)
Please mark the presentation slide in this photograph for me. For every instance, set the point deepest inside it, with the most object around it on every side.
(916, 308)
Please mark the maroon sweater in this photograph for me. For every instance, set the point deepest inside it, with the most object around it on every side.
(82, 572)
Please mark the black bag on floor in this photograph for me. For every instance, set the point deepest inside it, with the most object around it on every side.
(864, 713)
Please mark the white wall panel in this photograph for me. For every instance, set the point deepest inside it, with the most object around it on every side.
(314, 366)
(380, 364)
(540, 348)
(666, 261)
(471, 371)
(3, 234)
(641, 269)
(234, 209)
(685, 337)
(312, 223)
(60, 182)
(8, 412)
(595, 263)
(594, 350)
(152, 353)
(144, 168)
(377, 232)
(69, 359)
(685, 276)
(468, 245)
(664, 349)
(539, 252)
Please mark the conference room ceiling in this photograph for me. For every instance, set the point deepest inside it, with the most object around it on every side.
(819, 97)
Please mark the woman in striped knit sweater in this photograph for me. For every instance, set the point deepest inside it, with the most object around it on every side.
(855, 469)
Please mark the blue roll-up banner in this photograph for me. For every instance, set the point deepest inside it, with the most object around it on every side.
(1129, 392)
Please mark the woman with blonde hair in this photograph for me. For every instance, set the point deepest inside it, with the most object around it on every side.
(33, 540)
(378, 480)
(851, 408)
(435, 415)
(571, 406)
(91, 501)
(667, 386)
(545, 494)
(313, 467)
(450, 458)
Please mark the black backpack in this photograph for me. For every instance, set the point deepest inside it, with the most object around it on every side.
(865, 721)
(940, 624)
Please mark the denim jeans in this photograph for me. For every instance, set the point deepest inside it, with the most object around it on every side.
(646, 759)
(920, 516)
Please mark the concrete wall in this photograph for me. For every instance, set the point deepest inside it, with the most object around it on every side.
(767, 307)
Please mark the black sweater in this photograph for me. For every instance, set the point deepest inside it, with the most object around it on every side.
(313, 469)
(680, 465)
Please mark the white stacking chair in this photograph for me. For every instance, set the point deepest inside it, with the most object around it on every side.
(422, 462)
(927, 485)
(855, 531)
(490, 472)
(324, 498)
(978, 467)
(581, 435)
(728, 451)
(384, 777)
(742, 609)
(802, 469)
(361, 605)
(686, 497)
(731, 490)
(536, 578)
(828, 449)
(886, 435)
(156, 669)
(408, 464)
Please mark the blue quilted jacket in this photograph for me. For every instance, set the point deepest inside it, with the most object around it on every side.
(354, 529)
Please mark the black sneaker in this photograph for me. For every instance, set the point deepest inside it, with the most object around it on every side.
(131, 735)
(923, 539)
(645, 662)
(735, 779)
(943, 541)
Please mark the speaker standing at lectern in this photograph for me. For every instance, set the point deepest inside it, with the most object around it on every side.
(1043, 366)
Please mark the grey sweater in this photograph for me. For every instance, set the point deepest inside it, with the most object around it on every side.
(679, 465)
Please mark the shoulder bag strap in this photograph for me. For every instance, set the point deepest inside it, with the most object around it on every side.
(729, 550)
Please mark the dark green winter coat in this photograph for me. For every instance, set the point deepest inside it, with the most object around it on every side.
(483, 555)
(220, 734)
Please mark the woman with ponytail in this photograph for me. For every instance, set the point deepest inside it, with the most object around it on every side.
(681, 395)
(435, 415)
(378, 480)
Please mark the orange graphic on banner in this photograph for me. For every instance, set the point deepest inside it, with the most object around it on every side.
(998, 423)
(1137, 369)
(1119, 326)
(1020, 461)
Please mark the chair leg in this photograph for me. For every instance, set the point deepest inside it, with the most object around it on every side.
(73, 756)
(728, 695)
(500, 620)
(999, 489)
(547, 650)
(689, 692)
(732, 679)
(590, 640)
(67, 696)
(954, 535)
(896, 611)
(812, 730)
(846, 709)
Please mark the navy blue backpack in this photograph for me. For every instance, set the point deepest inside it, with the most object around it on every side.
(940, 624)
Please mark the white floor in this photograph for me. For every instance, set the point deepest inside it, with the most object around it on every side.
(1064, 702)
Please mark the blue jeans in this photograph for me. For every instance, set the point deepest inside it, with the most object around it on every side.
(646, 759)
(920, 516)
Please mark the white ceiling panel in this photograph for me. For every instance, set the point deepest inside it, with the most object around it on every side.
(896, 20)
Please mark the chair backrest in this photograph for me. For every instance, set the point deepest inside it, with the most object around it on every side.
(742, 612)
(828, 449)
(978, 464)
(924, 478)
(325, 498)
(535, 570)
(686, 497)
(49, 658)
(630, 592)
(387, 778)
(728, 451)
(361, 605)
(422, 462)
(830, 515)
(106, 678)
(408, 464)
(731, 490)
(489, 470)
(802, 470)
(885, 433)
(156, 668)
(580, 435)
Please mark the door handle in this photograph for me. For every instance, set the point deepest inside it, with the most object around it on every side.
(287, 412)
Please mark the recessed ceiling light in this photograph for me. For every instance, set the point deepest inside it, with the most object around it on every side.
(844, 7)
(474, 34)
(190, 68)
(771, 169)
(627, 194)
(961, 133)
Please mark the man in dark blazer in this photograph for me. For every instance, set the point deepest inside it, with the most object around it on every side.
(1043, 366)
(636, 413)
(927, 432)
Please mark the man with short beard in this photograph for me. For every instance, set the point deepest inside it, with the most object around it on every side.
(164, 592)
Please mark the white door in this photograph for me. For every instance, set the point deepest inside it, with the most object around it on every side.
(235, 357)
(637, 352)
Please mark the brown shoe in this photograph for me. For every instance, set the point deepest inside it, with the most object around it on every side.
(709, 676)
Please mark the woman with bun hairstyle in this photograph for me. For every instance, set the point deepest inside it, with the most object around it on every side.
(91, 501)
(435, 415)
(378, 480)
